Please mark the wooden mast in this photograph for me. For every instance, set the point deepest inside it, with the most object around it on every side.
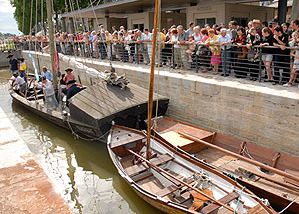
(51, 38)
(152, 78)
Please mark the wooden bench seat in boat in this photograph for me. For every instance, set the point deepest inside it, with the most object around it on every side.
(187, 145)
(139, 168)
(291, 181)
(226, 199)
(142, 176)
(172, 188)
(37, 97)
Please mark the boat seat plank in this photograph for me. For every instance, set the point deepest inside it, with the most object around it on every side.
(168, 190)
(172, 188)
(291, 181)
(142, 176)
(177, 140)
(33, 97)
(139, 168)
(226, 199)
(257, 209)
(124, 139)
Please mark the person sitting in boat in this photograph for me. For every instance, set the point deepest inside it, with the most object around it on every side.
(22, 68)
(69, 75)
(19, 83)
(49, 92)
(62, 85)
(47, 73)
(113, 79)
(73, 88)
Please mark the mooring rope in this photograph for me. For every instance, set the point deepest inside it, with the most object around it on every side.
(77, 136)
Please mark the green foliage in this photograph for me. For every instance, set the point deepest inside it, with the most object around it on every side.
(24, 13)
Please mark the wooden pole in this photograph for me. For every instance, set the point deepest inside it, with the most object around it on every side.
(152, 78)
(159, 169)
(51, 43)
(256, 163)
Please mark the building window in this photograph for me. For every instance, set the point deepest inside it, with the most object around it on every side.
(200, 22)
(241, 21)
(209, 21)
(138, 26)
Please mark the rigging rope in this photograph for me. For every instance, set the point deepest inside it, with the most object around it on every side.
(71, 5)
(105, 46)
(288, 206)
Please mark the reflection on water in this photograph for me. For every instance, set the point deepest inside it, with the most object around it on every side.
(82, 171)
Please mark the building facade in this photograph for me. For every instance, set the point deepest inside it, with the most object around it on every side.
(139, 14)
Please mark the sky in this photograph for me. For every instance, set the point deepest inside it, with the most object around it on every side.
(7, 22)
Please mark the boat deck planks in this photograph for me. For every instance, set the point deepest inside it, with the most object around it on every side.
(108, 100)
(151, 184)
(138, 168)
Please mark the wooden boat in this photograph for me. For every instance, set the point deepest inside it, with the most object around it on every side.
(172, 181)
(90, 115)
(269, 174)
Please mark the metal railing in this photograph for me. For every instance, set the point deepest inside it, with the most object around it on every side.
(233, 60)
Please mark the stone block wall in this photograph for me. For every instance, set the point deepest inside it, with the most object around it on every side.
(257, 112)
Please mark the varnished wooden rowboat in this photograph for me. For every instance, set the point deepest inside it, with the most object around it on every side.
(231, 155)
(173, 182)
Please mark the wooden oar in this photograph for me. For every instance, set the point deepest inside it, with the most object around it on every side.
(289, 186)
(254, 162)
(159, 169)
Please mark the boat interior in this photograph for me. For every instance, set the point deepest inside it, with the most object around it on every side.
(173, 179)
(173, 131)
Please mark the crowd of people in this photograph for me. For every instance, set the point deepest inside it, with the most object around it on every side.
(242, 51)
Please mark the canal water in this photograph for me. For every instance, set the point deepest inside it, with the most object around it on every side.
(82, 171)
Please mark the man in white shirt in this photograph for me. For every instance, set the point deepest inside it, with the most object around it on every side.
(225, 41)
(20, 83)
(49, 92)
(143, 40)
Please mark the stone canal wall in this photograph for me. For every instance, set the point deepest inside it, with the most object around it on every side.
(4, 55)
(251, 111)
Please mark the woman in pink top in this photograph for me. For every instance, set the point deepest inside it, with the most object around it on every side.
(69, 75)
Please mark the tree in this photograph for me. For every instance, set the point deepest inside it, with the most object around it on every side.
(23, 10)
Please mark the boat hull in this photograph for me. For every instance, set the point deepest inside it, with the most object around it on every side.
(117, 150)
(57, 118)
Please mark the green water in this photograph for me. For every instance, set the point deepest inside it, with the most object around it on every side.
(82, 171)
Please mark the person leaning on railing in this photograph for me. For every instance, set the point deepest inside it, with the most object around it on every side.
(241, 61)
(295, 55)
(182, 41)
(267, 53)
(282, 57)
(213, 43)
(252, 41)
(225, 43)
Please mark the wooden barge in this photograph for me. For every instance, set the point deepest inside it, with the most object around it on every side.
(92, 111)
